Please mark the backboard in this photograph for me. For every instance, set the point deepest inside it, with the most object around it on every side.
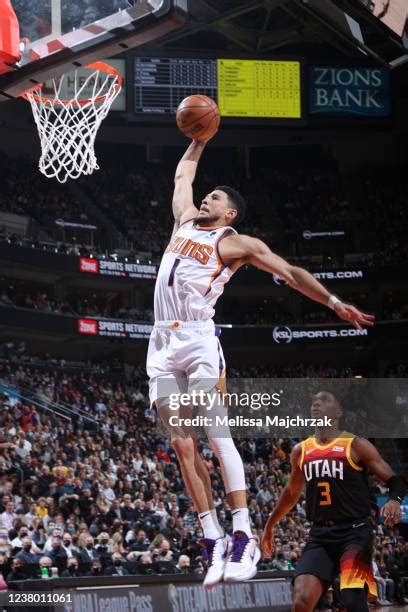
(60, 35)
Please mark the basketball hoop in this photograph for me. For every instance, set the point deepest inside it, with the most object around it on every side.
(68, 128)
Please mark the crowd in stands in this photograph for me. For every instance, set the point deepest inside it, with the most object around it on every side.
(282, 203)
(260, 311)
(109, 499)
(16, 293)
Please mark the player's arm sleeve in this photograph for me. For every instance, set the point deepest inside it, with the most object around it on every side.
(183, 202)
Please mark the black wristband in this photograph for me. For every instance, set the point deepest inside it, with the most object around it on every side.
(397, 488)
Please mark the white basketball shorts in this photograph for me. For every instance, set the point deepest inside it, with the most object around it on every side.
(183, 356)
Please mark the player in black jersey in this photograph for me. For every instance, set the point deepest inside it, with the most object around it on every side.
(333, 465)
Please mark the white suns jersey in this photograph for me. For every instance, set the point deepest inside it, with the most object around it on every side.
(191, 275)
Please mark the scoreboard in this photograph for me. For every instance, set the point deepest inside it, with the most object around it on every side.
(243, 88)
(259, 88)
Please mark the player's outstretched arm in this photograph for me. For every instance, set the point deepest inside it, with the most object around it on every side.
(242, 249)
(366, 453)
(183, 202)
(289, 497)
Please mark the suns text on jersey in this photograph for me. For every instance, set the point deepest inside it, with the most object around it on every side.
(189, 248)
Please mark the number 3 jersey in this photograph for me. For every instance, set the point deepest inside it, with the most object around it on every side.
(336, 487)
(192, 274)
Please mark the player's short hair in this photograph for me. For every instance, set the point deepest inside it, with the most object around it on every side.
(237, 201)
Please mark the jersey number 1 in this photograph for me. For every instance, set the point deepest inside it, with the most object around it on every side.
(172, 273)
(325, 497)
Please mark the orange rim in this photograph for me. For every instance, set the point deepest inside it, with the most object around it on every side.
(101, 66)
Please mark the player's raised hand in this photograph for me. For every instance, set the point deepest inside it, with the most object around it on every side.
(356, 317)
(268, 542)
(392, 513)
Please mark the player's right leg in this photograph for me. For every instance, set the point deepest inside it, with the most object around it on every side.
(314, 571)
(307, 591)
(196, 479)
(167, 356)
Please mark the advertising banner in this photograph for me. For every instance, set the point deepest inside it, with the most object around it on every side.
(257, 595)
(349, 90)
(112, 328)
(122, 269)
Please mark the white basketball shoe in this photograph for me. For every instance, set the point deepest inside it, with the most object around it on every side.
(242, 559)
(215, 553)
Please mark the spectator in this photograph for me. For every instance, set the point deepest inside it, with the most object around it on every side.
(27, 555)
(72, 569)
(117, 568)
(58, 554)
(115, 512)
(88, 552)
(183, 564)
(96, 568)
(8, 517)
(17, 571)
(70, 549)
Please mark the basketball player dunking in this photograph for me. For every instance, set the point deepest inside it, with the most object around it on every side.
(203, 253)
(333, 465)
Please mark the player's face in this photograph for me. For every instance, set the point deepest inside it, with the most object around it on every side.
(215, 209)
(325, 404)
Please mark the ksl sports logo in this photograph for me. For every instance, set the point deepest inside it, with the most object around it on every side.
(89, 327)
(86, 264)
(282, 334)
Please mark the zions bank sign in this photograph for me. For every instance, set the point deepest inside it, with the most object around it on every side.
(349, 90)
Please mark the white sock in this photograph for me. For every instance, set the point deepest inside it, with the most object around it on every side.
(216, 522)
(208, 525)
(240, 521)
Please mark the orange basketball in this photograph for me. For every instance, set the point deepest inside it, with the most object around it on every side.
(198, 117)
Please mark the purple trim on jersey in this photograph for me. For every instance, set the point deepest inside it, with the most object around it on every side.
(227, 232)
(221, 363)
(221, 270)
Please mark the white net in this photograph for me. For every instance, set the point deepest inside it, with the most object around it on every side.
(68, 128)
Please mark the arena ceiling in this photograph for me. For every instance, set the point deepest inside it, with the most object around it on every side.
(262, 27)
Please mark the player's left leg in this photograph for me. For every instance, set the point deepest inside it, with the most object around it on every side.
(355, 600)
(357, 582)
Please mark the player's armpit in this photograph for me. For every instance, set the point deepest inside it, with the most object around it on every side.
(364, 452)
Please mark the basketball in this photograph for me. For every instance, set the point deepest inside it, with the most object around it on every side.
(198, 117)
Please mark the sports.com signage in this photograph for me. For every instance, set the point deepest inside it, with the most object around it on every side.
(122, 269)
(112, 328)
(283, 334)
(349, 90)
(331, 275)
